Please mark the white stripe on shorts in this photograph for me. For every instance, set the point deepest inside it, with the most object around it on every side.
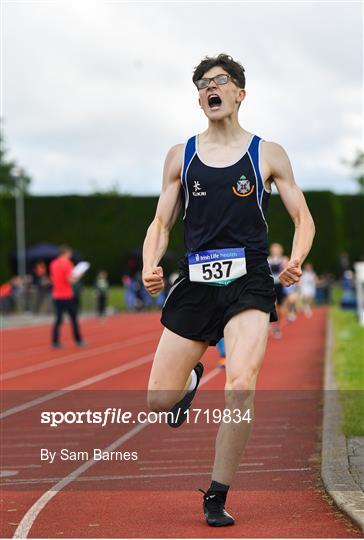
(172, 289)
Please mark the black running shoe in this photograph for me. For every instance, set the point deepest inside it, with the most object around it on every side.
(214, 510)
(179, 410)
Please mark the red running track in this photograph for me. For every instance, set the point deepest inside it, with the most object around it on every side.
(278, 492)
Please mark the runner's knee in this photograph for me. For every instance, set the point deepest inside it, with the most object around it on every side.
(243, 383)
(161, 401)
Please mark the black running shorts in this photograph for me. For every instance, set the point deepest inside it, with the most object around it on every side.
(200, 312)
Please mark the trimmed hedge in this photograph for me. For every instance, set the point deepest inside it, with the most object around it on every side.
(7, 242)
(104, 229)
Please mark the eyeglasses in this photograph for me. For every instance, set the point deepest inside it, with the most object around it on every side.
(223, 78)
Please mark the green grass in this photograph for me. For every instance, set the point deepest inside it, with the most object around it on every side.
(115, 299)
(348, 356)
(336, 294)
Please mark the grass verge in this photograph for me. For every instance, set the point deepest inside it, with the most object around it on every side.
(348, 357)
(115, 299)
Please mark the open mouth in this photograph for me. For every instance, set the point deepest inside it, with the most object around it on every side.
(214, 101)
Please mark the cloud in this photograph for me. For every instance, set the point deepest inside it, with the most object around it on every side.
(101, 90)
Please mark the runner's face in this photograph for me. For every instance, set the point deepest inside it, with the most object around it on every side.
(229, 94)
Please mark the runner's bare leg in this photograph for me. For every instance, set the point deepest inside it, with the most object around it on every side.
(174, 360)
(245, 341)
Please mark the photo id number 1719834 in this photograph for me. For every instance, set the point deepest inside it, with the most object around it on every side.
(215, 416)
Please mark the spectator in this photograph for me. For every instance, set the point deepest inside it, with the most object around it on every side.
(63, 295)
(5, 297)
(43, 287)
(102, 286)
(276, 262)
(343, 264)
(27, 287)
(348, 298)
(307, 288)
(16, 294)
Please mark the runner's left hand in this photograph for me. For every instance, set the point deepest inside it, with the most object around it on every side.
(291, 274)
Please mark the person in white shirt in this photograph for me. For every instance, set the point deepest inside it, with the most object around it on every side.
(307, 287)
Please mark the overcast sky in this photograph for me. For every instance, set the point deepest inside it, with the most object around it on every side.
(95, 93)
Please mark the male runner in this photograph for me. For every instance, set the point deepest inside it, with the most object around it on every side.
(222, 178)
(276, 263)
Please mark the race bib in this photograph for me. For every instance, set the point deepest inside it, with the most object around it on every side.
(217, 266)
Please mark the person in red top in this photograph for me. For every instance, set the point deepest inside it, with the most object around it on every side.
(63, 297)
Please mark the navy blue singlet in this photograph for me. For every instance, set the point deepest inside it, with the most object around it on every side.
(225, 207)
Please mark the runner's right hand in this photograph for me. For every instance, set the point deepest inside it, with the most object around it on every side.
(153, 279)
(291, 273)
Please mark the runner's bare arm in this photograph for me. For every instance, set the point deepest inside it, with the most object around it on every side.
(295, 203)
(157, 237)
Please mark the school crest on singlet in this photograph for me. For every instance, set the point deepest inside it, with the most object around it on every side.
(243, 187)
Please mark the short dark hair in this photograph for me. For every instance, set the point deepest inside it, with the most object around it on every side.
(233, 68)
(64, 249)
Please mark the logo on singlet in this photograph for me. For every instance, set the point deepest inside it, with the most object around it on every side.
(197, 190)
(243, 187)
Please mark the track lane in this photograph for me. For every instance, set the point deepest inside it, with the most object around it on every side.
(262, 514)
(21, 350)
(31, 515)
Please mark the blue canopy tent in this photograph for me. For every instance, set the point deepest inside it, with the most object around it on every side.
(44, 251)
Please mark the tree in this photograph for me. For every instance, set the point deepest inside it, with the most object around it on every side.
(12, 176)
(12, 179)
(357, 166)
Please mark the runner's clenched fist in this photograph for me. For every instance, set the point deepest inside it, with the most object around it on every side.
(291, 274)
(153, 279)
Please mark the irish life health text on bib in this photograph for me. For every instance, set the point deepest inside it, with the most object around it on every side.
(217, 266)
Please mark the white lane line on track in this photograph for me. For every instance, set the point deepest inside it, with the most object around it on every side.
(4, 473)
(22, 466)
(26, 351)
(64, 430)
(212, 430)
(213, 437)
(46, 436)
(86, 382)
(29, 518)
(205, 379)
(197, 460)
(271, 436)
(198, 449)
(74, 478)
(178, 466)
(31, 515)
(85, 319)
(270, 428)
(22, 455)
(36, 445)
(78, 356)
(185, 439)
